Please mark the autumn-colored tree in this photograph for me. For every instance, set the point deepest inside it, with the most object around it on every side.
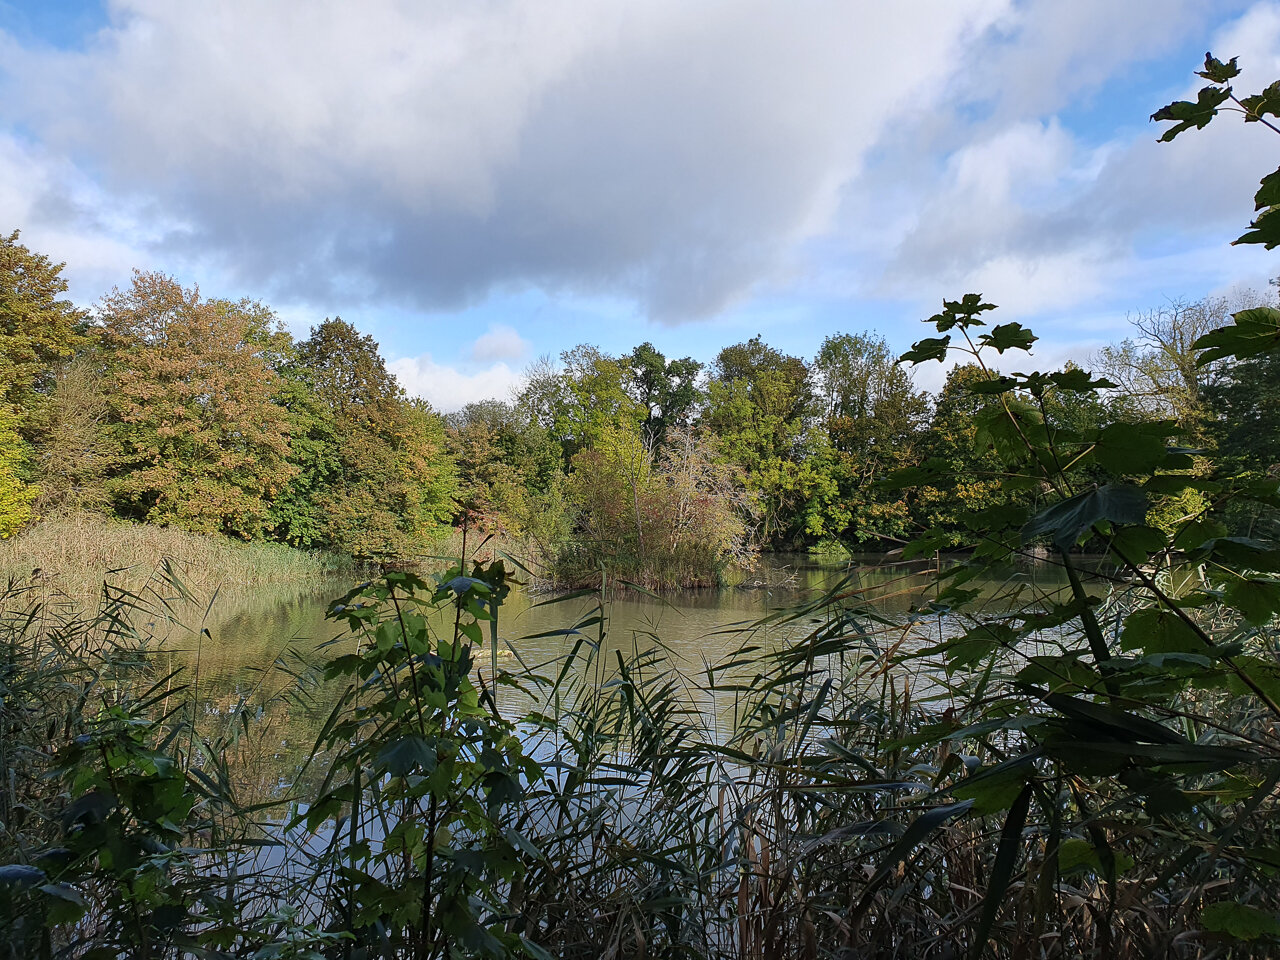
(38, 327)
(392, 486)
(77, 450)
(203, 443)
(679, 520)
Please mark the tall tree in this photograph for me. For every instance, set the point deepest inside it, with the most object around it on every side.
(38, 327)
(667, 390)
(15, 494)
(392, 485)
(874, 419)
(203, 444)
(761, 409)
(1156, 370)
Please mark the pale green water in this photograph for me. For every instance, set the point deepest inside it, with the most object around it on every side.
(247, 636)
(252, 650)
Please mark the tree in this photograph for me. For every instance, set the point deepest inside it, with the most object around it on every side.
(15, 495)
(1156, 372)
(760, 408)
(203, 444)
(38, 329)
(392, 484)
(666, 389)
(77, 452)
(1245, 406)
(969, 470)
(874, 420)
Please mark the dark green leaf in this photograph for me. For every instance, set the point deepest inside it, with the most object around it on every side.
(930, 348)
(1255, 331)
(1217, 71)
(1070, 519)
(1239, 920)
(1186, 114)
(1002, 869)
(1124, 449)
(1009, 336)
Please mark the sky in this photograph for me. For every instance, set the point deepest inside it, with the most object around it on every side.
(479, 184)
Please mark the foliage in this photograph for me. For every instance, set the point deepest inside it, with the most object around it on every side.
(37, 329)
(385, 488)
(760, 407)
(678, 521)
(15, 495)
(203, 444)
(667, 390)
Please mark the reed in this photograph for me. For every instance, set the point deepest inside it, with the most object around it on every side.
(77, 553)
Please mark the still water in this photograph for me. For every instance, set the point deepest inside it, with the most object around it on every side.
(238, 645)
(257, 656)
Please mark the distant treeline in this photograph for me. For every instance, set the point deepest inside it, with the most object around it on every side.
(161, 406)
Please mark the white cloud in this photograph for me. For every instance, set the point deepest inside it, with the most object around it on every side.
(447, 388)
(669, 153)
(500, 342)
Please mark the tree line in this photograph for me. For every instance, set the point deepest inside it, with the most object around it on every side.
(163, 406)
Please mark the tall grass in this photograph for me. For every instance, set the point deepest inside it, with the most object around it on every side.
(839, 785)
(79, 552)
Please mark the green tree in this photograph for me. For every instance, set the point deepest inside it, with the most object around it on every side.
(874, 419)
(15, 495)
(579, 400)
(390, 491)
(38, 328)
(1157, 373)
(666, 389)
(761, 410)
(967, 479)
(203, 443)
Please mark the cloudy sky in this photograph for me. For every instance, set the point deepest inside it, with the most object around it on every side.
(478, 183)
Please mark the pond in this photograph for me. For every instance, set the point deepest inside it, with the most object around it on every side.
(260, 649)
(234, 645)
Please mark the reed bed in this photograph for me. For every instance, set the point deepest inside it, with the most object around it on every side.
(79, 552)
(832, 788)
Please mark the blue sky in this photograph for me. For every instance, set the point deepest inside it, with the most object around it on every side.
(480, 184)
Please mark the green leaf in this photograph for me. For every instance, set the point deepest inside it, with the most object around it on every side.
(1268, 194)
(1008, 336)
(1217, 71)
(1186, 114)
(1257, 599)
(1255, 331)
(407, 754)
(997, 787)
(1239, 920)
(1157, 630)
(1078, 381)
(1070, 519)
(1137, 544)
(1265, 229)
(999, 384)
(1261, 104)
(1124, 449)
(930, 348)
(1002, 869)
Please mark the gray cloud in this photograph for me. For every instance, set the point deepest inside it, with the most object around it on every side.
(667, 152)
(677, 155)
